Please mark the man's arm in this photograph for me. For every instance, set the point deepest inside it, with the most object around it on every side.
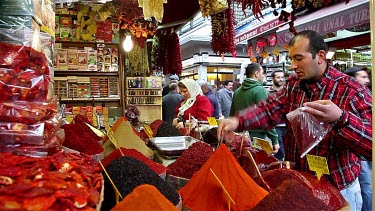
(353, 126)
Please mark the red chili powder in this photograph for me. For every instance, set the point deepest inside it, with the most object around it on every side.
(191, 160)
(158, 168)
(78, 139)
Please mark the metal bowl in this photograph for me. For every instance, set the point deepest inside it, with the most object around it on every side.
(173, 146)
(176, 182)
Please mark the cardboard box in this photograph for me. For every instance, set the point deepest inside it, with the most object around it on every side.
(72, 59)
(62, 59)
(82, 60)
(57, 28)
(65, 28)
(115, 32)
(92, 60)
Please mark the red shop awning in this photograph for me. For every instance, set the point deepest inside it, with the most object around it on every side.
(330, 19)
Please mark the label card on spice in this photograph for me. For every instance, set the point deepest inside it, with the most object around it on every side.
(148, 131)
(318, 164)
(110, 135)
(212, 121)
(264, 144)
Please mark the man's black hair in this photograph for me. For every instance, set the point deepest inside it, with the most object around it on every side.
(316, 41)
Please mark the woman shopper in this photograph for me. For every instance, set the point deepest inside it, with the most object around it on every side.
(194, 103)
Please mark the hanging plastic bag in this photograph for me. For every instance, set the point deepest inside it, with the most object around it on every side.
(308, 131)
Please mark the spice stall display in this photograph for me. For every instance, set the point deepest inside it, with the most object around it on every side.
(145, 197)
(320, 189)
(291, 195)
(190, 161)
(125, 136)
(127, 173)
(59, 182)
(204, 192)
(158, 168)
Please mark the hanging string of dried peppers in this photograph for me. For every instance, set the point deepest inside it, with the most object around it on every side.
(223, 31)
(167, 53)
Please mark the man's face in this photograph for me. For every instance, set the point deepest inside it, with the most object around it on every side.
(279, 79)
(303, 64)
(260, 75)
(229, 86)
(204, 90)
(362, 77)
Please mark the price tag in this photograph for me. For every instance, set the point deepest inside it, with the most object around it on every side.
(69, 119)
(212, 121)
(110, 135)
(148, 131)
(264, 144)
(317, 164)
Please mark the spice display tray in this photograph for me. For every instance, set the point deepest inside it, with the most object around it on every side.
(173, 146)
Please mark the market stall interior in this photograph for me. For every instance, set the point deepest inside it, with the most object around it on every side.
(81, 126)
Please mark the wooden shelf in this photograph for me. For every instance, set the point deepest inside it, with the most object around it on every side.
(144, 88)
(86, 99)
(146, 104)
(83, 73)
(144, 95)
(85, 44)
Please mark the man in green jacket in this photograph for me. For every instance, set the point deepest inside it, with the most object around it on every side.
(251, 92)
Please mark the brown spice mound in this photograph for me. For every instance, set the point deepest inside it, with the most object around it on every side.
(291, 195)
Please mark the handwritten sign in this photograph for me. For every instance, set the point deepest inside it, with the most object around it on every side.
(110, 135)
(148, 131)
(317, 164)
(212, 121)
(264, 144)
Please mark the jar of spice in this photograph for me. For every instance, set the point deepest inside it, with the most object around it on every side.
(139, 82)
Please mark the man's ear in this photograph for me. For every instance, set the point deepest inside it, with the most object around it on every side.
(322, 56)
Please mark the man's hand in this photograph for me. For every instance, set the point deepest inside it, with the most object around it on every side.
(227, 125)
(276, 148)
(323, 110)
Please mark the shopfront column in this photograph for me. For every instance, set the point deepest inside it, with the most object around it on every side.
(202, 72)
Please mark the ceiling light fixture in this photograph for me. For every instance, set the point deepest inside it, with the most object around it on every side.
(128, 43)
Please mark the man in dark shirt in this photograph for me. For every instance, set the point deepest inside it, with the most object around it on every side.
(207, 91)
(170, 102)
(173, 79)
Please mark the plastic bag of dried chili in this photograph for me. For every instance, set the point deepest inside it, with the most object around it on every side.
(308, 131)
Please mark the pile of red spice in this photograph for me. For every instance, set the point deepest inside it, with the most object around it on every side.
(154, 127)
(291, 195)
(82, 120)
(158, 168)
(77, 138)
(191, 160)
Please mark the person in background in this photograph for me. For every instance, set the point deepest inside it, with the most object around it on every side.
(170, 102)
(224, 98)
(331, 97)
(360, 74)
(173, 79)
(236, 85)
(278, 80)
(252, 91)
(207, 91)
(194, 103)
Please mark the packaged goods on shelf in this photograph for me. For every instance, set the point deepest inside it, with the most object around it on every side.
(82, 60)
